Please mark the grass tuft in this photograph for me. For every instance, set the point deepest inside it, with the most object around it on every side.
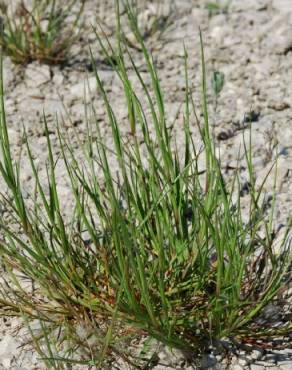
(44, 31)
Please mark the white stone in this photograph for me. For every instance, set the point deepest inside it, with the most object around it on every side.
(37, 74)
(256, 354)
(256, 367)
(243, 361)
(237, 367)
(286, 365)
(58, 79)
(218, 34)
(89, 86)
(246, 5)
(8, 348)
(82, 89)
(282, 5)
(267, 364)
(282, 41)
(6, 362)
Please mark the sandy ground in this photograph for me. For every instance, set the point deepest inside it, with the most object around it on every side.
(251, 44)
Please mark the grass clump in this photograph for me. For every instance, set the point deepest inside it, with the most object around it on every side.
(43, 31)
(158, 247)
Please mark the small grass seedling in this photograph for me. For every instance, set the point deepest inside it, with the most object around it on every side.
(217, 81)
(218, 7)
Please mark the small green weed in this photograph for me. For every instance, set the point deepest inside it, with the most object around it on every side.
(218, 80)
(218, 7)
(42, 32)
